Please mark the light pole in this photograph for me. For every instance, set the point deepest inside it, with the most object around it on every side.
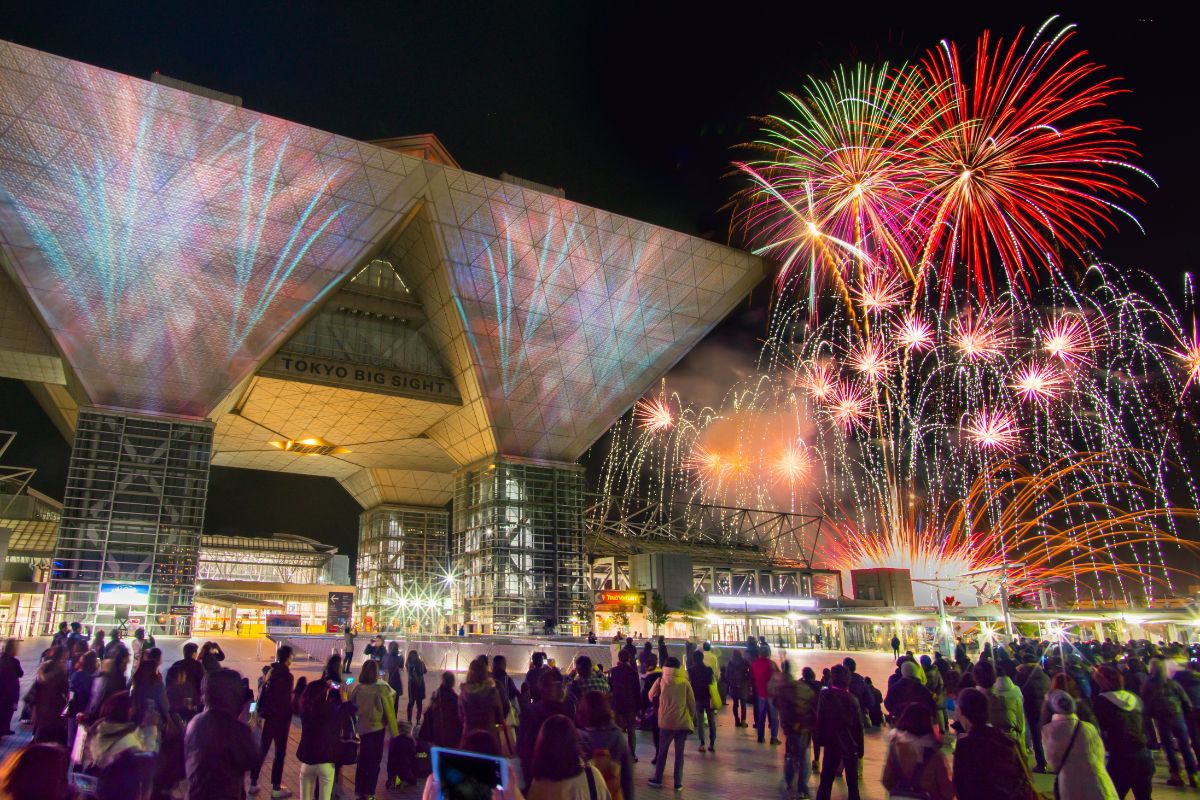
(1003, 570)
(943, 623)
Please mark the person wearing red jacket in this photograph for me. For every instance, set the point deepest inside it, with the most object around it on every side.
(761, 670)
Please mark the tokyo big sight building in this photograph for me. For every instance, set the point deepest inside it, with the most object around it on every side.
(186, 282)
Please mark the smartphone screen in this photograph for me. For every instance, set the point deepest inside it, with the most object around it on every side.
(349, 681)
(336, 685)
(253, 706)
(468, 776)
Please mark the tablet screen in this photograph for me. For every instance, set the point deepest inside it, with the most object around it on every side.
(467, 776)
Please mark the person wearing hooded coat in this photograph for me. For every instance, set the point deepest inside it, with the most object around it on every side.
(1120, 718)
(914, 758)
(219, 748)
(1075, 752)
(908, 690)
(1034, 684)
(1169, 706)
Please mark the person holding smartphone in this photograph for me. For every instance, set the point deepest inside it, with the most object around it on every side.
(485, 744)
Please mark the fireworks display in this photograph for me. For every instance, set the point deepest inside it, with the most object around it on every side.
(950, 377)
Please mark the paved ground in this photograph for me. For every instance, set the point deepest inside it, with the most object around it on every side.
(740, 768)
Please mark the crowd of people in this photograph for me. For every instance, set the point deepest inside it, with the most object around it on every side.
(105, 718)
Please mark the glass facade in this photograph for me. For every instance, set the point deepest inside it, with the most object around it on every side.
(518, 546)
(280, 559)
(132, 517)
(403, 567)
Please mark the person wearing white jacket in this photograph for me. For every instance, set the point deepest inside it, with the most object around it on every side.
(1075, 752)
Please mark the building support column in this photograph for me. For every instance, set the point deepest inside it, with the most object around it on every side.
(133, 512)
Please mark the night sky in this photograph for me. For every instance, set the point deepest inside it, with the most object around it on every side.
(628, 108)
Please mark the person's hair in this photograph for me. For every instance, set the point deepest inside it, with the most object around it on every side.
(696, 659)
(973, 705)
(315, 692)
(99, 635)
(333, 666)
(10, 647)
(764, 650)
(62, 626)
(1158, 668)
(75, 626)
(651, 661)
(849, 663)
(583, 665)
(448, 679)
(1060, 702)
(499, 666)
(283, 653)
(477, 671)
(624, 656)
(839, 676)
(189, 650)
(595, 711)
(89, 662)
(393, 648)
(1066, 683)
(985, 674)
(480, 742)
(707, 645)
(118, 664)
(139, 633)
(672, 662)
(1109, 678)
(369, 673)
(147, 670)
(117, 708)
(207, 649)
(915, 719)
(556, 752)
(808, 674)
(224, 690)
(866, 679)
(35, 772)
(538, 658)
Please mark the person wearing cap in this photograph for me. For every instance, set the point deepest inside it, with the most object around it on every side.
(1075, 752)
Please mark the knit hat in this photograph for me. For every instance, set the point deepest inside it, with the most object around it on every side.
(1060, 702)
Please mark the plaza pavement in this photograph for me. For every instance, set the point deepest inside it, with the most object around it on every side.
(740, 768)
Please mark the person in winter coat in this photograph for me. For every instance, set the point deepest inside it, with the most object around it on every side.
(1169, 706)
(479, 702)
(936, 687)
(443, 724)
(376, 709)
(1189, 681)
(914, 760)
(510, 695)
(908, 690)
(211, 656)
(1120, 718)
(987, 762)
(10, 685)
(80, 684)
(391, 669)
(1014, 708)
(649, 709)
(741, 689)
(626, 689)
(184, 680)
(416, 684)
(713, 662)
(839, 731)
(604, 744)
(322, 723)
(761, 671)
(644, 657)
(797, 704)
(551, 692)
(676, 718)
(700, 677)
(874, 703)
(1006, 711)
(1034, 684)
(113, 741)
(1075, 753)
(50, 694)
(858, 686)
(220, 749)
(275, 709)
(559, 773)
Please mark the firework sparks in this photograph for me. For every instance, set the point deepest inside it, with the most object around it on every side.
(1038, 382)
(1189, 355)
(1067, 338)
(994, 431)
(848, 407)
(870, 360)
(914, 333)
(793, 465)
(654, 415)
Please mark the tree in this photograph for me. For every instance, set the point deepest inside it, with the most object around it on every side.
(621, 617)
(693, 608)
(657, 611)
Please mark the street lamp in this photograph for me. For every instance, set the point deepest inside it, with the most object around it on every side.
(1003, 569)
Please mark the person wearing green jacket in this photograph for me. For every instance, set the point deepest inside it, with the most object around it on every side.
(376, 709)
(676, 718)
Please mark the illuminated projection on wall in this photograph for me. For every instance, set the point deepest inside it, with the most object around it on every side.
(169, 240)
(569, 310)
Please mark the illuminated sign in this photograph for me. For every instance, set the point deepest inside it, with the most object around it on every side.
(737, 603)
(620, 598)
(124, 594)
(368, 379)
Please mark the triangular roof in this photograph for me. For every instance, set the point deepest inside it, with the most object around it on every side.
(171, 243)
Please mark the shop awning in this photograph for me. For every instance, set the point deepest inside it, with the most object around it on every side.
(237, 601)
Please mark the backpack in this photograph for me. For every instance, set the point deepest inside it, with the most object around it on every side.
(909, 788)
(609, 769)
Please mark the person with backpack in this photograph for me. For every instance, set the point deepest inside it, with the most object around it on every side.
(839, 731)
(676, 702)
(626, 689)
(442, 725)
(323, 722)
(915, 767)
(797, 704)
(275, 709)
(559, 773)
(604, 744)
(1168, 705)
(416, 685)
(376, 711)
(988, 765)
(700, 677)
(1075, 753)
(1121, 722)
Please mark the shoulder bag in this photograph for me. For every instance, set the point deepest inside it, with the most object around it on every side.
(347, 752)
(910, 788)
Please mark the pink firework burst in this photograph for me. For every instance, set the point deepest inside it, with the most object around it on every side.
(914, 333)
(818, 380)
(848, 407)
(871, 360)
(1068, 339)
(1189, 354)
(654, 415)
(994, 430)
(1034, 382)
